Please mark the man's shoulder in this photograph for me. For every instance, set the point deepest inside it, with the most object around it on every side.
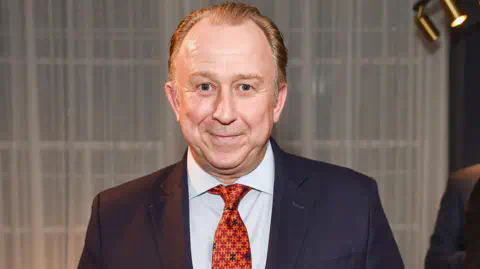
(336, 186)
(135, 191)
(460, 188)
(331, 175)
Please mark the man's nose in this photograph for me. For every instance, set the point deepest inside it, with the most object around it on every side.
(225, 111)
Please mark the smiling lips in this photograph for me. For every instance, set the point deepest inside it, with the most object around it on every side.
(219, 135)
(224, 137)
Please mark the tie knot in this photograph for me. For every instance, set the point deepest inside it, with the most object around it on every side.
(231, 194)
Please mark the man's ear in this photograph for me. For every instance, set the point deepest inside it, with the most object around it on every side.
(171, 93)
(280, 102)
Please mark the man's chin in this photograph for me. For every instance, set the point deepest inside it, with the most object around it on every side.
(225, 158)
(225, 164)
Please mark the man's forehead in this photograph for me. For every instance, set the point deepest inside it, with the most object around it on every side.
(219, 57)
(226, 50)
(224, 60)
(226, 70)
(224, 39)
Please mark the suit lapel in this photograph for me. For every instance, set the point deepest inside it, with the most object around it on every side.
(169, 213)
(292, 206)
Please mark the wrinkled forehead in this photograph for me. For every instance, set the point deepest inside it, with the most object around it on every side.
(226, 48)
(229, 62)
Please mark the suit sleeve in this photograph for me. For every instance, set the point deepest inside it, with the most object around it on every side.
(92, 250)
(446, 244)
(472, 231)
(382, 250)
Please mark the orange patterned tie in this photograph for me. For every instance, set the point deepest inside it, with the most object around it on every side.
(231, 248)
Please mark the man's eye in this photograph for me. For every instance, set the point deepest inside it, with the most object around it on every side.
(205, 87)
(245, 87)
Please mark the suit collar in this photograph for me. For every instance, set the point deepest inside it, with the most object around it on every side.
(199, 181)
(171, 181)
(283, 170)
(285, 166)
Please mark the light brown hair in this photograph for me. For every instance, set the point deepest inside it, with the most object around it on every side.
(233, 14)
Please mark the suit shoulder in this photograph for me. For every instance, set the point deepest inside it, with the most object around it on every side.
(331, 174)
(460, 186)
(134, 191)
(336, 186)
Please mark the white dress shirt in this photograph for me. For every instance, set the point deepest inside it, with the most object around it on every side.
(206, 209)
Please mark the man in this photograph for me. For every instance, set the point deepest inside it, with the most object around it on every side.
(447, 244)
(236, 200)
(472, 230)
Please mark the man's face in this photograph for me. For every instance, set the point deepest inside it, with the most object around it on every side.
(225, 96)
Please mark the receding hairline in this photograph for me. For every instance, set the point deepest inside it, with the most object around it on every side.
(215, 21)
(222, 24)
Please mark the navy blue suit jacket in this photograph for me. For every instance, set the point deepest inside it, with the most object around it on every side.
(324, 216)
(472, 230)
(447, 245)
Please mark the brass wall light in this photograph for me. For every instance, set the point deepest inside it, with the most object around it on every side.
(428, 27)
(452, 11)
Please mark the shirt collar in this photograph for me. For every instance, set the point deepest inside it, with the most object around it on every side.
(261, 178)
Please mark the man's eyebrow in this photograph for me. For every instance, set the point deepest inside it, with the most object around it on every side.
(248, 76)
(212, 76)
(206, 74)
